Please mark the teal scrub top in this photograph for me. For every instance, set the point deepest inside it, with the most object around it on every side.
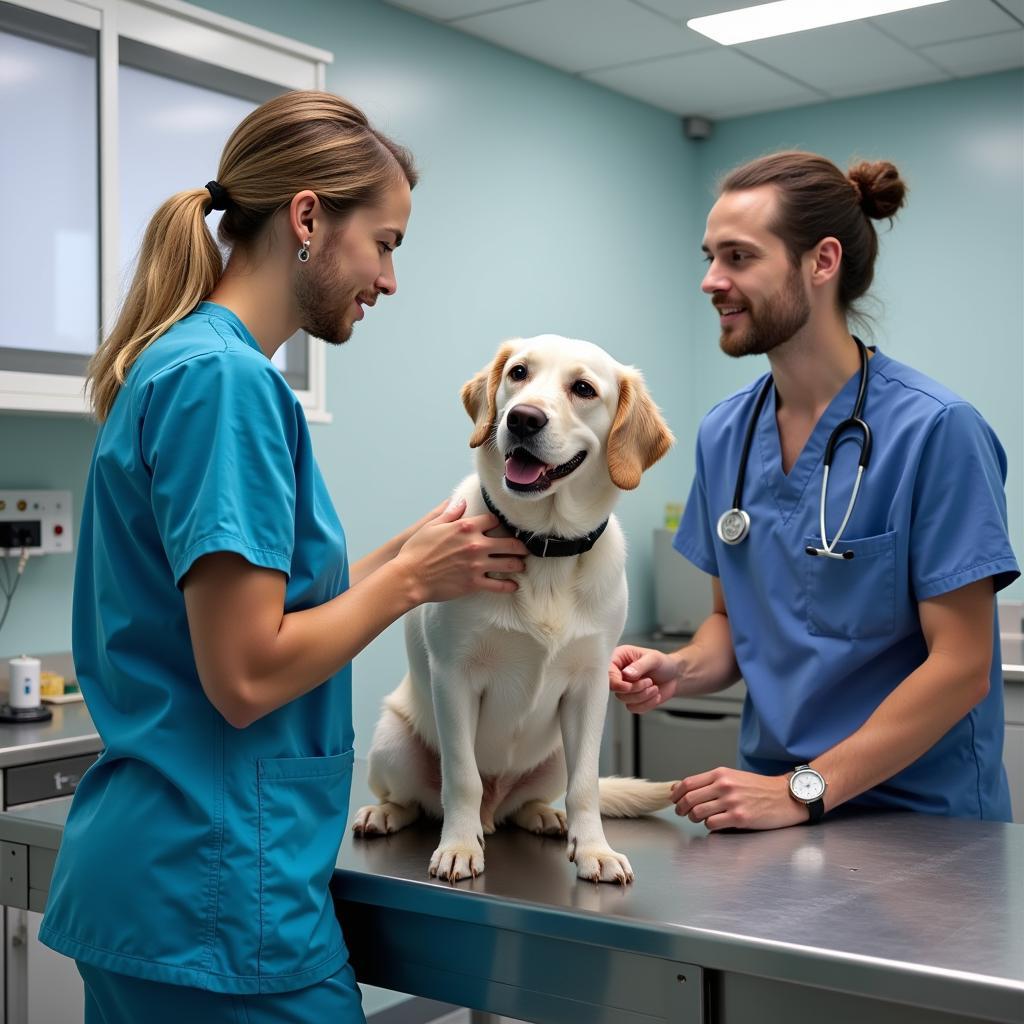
(821, 642)
(196, 853)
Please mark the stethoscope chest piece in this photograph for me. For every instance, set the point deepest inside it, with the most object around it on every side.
(733, 526)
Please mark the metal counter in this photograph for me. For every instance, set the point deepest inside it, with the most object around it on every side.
(68, 733)
(887, 918)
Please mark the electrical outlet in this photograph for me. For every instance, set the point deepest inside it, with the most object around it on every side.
(39, 521)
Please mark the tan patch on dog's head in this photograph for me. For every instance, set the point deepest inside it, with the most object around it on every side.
(478, 395)
(639, 436)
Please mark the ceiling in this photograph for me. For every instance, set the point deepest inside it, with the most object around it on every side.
(643, 48)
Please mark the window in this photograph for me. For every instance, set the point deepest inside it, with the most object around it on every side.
(115, 105)
(49, 176)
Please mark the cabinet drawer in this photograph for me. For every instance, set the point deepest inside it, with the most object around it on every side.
(675, 744)
(45, 780)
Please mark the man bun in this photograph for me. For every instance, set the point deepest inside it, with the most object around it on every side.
(881, 189)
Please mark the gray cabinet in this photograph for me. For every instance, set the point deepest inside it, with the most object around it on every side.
(678, 741)
(40, 767)
(686, 736)
(43, 987)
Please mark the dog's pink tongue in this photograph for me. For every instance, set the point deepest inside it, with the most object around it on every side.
(523, 471)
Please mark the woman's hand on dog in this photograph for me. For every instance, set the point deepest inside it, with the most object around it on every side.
(449, 556)
(642, 678)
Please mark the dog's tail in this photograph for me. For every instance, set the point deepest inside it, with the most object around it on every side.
(629, 798)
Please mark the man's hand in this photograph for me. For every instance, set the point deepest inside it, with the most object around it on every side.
(729, 798)
(642, 678)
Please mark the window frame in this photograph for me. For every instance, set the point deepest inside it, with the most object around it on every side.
(187, 31)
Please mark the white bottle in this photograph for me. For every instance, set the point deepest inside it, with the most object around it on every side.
(24, 682)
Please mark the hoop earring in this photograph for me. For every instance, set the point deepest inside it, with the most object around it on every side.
(303, 253)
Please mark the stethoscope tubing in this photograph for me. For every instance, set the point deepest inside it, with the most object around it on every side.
(734, 524)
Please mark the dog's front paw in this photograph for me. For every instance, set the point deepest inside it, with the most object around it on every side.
(598, 862)
(457, 859)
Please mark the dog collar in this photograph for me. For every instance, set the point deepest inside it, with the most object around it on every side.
(547, 546)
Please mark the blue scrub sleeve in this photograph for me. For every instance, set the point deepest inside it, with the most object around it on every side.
(695, 539)
(218, 434)
(958, 531)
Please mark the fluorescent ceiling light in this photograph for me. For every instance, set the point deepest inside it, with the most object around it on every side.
(786, 16)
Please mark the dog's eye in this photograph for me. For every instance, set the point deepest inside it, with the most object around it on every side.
(518, 372)
(581, 389)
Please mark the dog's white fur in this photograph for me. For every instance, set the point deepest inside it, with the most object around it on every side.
(509, 691)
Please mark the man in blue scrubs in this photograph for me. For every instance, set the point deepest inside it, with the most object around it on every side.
(873, 678)
(215, 613)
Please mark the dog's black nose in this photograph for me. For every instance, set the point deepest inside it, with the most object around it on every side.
(525, 420)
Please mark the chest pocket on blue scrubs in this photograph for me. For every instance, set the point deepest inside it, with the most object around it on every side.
(303, 808)
(853, 598)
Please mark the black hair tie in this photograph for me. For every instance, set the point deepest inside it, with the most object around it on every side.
(218, 195)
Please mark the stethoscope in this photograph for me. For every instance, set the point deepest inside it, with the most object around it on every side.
(734, 525)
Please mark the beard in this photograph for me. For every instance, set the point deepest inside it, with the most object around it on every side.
(778, 319)
(324, 301)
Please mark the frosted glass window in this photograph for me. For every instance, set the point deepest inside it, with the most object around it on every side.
(172, 131)
(49, 178)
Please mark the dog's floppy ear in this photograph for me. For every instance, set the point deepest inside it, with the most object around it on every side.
(478, 395)
(639, 435)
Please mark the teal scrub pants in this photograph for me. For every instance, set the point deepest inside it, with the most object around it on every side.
(119, 999)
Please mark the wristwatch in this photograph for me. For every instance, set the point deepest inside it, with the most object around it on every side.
(807, 786)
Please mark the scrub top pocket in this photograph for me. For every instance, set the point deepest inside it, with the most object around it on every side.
(303, 809)
(852, 598)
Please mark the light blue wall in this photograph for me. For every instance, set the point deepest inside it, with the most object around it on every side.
(949, 281)
(42, 453)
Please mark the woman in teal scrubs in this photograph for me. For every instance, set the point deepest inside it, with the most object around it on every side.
(215, 612)
(879, 668)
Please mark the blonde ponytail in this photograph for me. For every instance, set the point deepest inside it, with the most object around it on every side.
(179, 264)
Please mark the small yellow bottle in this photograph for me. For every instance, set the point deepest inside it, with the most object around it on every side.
(673, 513)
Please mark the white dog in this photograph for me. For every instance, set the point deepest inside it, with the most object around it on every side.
(505, 699)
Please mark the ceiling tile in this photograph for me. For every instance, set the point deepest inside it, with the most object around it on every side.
(642, 49)
(844, 60)
(445, 10)
(980, 56)
(941, 23)
(580, 35)
(683, 10)
(715, 83)
(1015, 7)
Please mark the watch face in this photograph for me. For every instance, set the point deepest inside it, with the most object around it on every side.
(807, 785)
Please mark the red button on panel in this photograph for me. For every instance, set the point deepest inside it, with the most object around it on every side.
(58, 529)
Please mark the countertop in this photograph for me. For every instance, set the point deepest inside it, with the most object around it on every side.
(909, 908)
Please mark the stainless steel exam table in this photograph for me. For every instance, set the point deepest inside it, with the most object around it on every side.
(868, 919)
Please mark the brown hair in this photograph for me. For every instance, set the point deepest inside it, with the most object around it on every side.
(300, 140)
(816, 201)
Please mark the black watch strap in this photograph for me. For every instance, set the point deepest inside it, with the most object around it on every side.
(815, 811)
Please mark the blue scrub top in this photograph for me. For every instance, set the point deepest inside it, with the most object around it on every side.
(196, 853)
(821, 643)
